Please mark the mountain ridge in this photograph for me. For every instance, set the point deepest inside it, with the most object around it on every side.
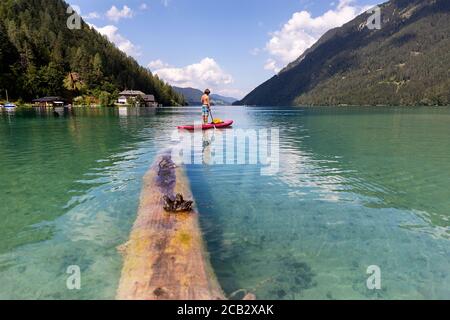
(193, 97)
(404, 63)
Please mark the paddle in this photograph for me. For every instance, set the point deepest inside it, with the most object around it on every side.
(212, 118)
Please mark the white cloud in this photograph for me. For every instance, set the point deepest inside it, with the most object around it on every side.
(165, 3)
(157, 65)
(92, 15)
(271, 64)
(143, 6)
(115, 14)
(205, 74)
(231, 92)
(303, 30)
(344, 3)
(111, 32)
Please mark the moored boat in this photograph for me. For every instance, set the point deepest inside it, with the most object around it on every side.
(10, 106)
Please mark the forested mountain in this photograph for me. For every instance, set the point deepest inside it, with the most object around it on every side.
(193, 97)
(405, 63)
(223, 100)
(41, 56)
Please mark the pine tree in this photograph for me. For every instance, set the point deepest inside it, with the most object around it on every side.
(38, 53)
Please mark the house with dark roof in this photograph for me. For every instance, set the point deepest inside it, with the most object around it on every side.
(131, 96)
(49, 102)
(131, 93)
(150, 100)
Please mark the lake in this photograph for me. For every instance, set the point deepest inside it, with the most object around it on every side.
(355, 188)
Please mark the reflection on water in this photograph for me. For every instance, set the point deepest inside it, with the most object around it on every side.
(356, 187)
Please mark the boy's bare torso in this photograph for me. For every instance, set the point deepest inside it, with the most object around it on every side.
(205, 100)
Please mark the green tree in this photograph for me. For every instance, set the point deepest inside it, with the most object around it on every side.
(38, 52)
(52, 77)
(106, 99)
(73, 82)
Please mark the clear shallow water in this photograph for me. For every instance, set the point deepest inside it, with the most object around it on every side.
(356, 187)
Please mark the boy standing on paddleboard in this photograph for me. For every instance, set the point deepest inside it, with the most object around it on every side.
(206, 105)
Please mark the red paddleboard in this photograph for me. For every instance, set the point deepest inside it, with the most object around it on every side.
(225, 124)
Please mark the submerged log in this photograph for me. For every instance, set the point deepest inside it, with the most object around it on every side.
(165, 257)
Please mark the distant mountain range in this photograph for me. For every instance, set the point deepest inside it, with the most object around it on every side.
(406, 62)
(193, 96)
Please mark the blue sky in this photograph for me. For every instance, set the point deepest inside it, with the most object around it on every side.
(230, 46)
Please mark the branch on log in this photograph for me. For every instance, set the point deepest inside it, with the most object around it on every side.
(178, 204)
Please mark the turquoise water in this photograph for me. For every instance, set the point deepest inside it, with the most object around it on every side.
(356, 187)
